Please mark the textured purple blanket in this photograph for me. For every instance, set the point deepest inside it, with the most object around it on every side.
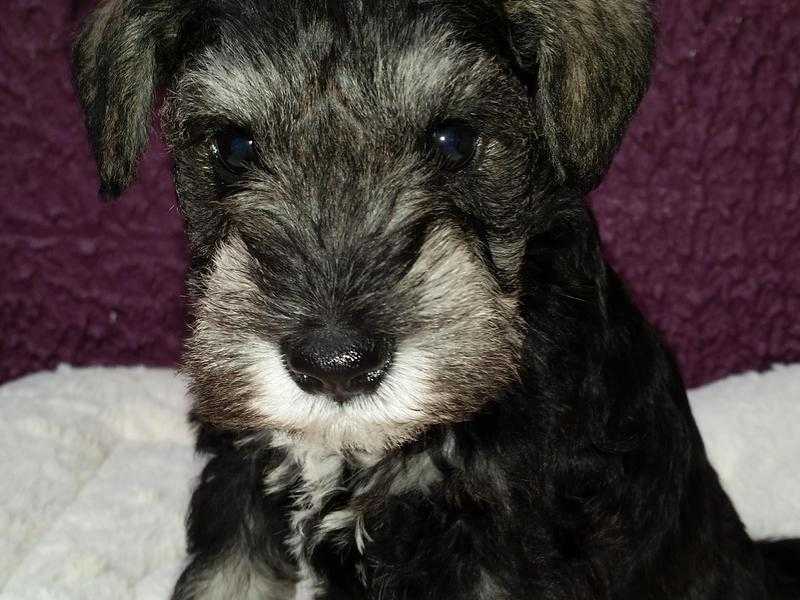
(700, 213)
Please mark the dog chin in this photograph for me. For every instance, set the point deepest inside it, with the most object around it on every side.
(392, 415)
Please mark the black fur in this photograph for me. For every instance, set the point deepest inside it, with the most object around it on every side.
(553, 454)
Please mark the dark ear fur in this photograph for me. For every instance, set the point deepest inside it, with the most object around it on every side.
(591, 63)
(124, 52)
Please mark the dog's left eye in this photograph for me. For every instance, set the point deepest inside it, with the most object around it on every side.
(455, 142)
(234, 149)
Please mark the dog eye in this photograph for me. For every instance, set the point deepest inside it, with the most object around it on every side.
(455, 142)
(234, 149)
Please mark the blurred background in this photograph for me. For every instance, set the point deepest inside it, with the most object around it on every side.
(700, 212)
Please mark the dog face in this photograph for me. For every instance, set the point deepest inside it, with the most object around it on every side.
(360, 183)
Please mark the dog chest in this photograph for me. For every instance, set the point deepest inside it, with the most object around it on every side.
(335, 503)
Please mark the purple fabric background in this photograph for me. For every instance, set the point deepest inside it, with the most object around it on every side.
(700, 213)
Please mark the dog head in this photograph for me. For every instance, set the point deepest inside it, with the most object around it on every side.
(360, 182)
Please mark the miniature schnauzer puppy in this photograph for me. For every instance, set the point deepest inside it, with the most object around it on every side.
(413, 371)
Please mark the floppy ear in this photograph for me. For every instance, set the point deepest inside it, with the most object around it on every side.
(124, 52)
(590, 62)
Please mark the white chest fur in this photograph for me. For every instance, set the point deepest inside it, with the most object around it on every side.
(315, 474)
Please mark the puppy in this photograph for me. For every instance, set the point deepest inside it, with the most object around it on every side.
(414, 373)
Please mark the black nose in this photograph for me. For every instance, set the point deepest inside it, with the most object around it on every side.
(339, 363)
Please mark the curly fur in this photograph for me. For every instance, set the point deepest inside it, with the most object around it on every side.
(532, 438)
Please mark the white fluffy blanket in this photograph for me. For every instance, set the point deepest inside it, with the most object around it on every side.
(96, 468)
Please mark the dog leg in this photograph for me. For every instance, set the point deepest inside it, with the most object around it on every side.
(231, 576)
(235, 530)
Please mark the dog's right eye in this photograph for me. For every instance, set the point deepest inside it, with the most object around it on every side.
(454, 142)
(234, 149)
